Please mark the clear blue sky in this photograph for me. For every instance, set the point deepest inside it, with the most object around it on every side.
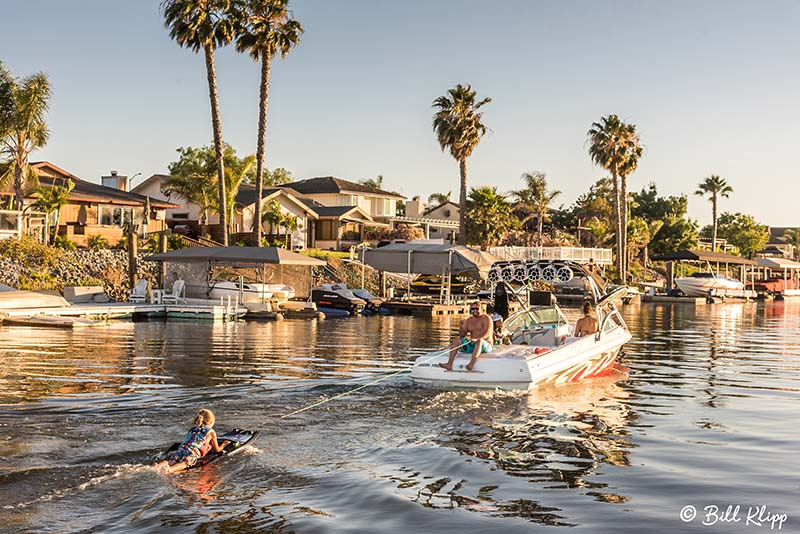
(712, 86)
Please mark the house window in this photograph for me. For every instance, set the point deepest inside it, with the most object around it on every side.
(326, 230)
(180, 216)
(447, 214)
(115, 216)
(351, 231)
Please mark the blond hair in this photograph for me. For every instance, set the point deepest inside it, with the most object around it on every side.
(204, 418)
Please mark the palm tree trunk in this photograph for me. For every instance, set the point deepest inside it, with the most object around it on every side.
(617, 221)
(623, 194)
(462, 204)
(540, 215)
(714, 223)
(262, 141)
(218, 148)
(19, 193)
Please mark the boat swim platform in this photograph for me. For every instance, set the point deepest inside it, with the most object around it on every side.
(425, 309)
(205, 310)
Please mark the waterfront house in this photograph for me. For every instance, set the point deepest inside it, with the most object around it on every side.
(438, 222)
(94, 209)
(778, 241)
(379, 205)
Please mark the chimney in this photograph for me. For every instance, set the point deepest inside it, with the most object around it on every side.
(115, 181)
(414, 208)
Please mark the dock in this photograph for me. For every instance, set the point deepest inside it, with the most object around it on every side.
(191, 309)
(425, 309)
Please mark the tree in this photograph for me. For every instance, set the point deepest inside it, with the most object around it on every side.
(205, 25)
(374, 183)
(437, 199)
(535, 199)
(615, 146)
(50, 200)
(714, 187)
(264, 28)
(677, 231)
(23, 107)
(792, 236)
(194, 177)
(743, 232)
(275, 217)
(459, 129)
(592, 211)
(489, 216)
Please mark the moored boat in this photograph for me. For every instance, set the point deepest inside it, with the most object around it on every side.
(702, 284)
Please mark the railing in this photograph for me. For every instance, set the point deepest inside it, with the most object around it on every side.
(598, 256)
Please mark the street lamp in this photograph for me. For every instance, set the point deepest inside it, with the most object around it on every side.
(130, 181)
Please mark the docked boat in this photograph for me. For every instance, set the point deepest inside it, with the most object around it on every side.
(703, 284)
(337, 297)
(373, 303)
(543, 348)
(250, 291)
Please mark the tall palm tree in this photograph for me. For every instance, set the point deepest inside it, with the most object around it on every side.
(458, 128)
(615, 146)
(792, 236)
(264, 28)
(23, 129)
(714, 187)
(536, 199)
(50, 200)
(205, 25)
(489, 216)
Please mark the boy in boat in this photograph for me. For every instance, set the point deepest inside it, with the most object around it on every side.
(199, 441)
(586, 325)
(475, 336)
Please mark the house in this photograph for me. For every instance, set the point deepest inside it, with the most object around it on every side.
(778, 241)
(290, 206)
(438, 222)
(94, 209)
(332, 191)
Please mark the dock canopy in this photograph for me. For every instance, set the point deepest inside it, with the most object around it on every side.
(703, 255)
(778, 264)
(429, 258)
(235, 256)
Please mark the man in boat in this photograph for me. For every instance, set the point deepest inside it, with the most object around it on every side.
(586, 325)
(475, 336)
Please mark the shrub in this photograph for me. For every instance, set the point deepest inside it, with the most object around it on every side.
(97, 242)
(174, 242)
(29, 252)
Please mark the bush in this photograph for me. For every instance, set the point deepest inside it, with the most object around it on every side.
(174, 242)
(29, 252)
(97, 242)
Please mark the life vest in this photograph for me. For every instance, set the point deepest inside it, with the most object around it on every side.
(196, 439)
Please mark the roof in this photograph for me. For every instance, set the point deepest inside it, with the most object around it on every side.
(427, 211)
(235, 255)
(442, 223)
(332, 184)
(778, 264)
(91, 192)
(776, 234)
(703, 255)
(154, 178)
(247, 194)
(429, 258)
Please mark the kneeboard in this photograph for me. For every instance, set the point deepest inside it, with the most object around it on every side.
(238, 439)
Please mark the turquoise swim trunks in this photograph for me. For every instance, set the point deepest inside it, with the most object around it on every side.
(469, 346)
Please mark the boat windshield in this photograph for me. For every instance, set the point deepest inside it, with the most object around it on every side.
(536, 315)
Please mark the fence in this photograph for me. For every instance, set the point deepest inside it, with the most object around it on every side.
(598, 256)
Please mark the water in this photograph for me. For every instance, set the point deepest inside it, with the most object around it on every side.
(705, 415)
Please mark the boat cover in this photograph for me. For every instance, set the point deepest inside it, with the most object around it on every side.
(429, 258)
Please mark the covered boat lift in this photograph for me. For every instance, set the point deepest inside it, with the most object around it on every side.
(198, 265)
(704, 256)
(443, 260)
(789, 270)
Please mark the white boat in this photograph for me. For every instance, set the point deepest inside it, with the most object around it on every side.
(250, 291)
(702, 284)
(543, 349)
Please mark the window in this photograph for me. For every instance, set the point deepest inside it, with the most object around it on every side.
(115, 216)
(180, 216)
(351, 231)
(326, 230)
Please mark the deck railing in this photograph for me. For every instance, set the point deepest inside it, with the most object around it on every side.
(598, 256)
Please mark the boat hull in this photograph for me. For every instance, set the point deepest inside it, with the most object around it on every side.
(701, 287)
(522, 367)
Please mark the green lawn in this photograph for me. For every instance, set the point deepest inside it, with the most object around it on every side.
(325, 254)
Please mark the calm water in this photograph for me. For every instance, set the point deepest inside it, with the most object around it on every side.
(707, 414)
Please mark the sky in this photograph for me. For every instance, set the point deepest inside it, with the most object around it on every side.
(711, 86)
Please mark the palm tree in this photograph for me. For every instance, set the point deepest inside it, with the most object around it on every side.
(458, 127)
(536, 199)
(238, 171)
(714, 187)
(264, 28)
(52, 199)
(205, 25)
(792, 236)
(437, 199)
(489, 216)
(615, 146)
(22, 128)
